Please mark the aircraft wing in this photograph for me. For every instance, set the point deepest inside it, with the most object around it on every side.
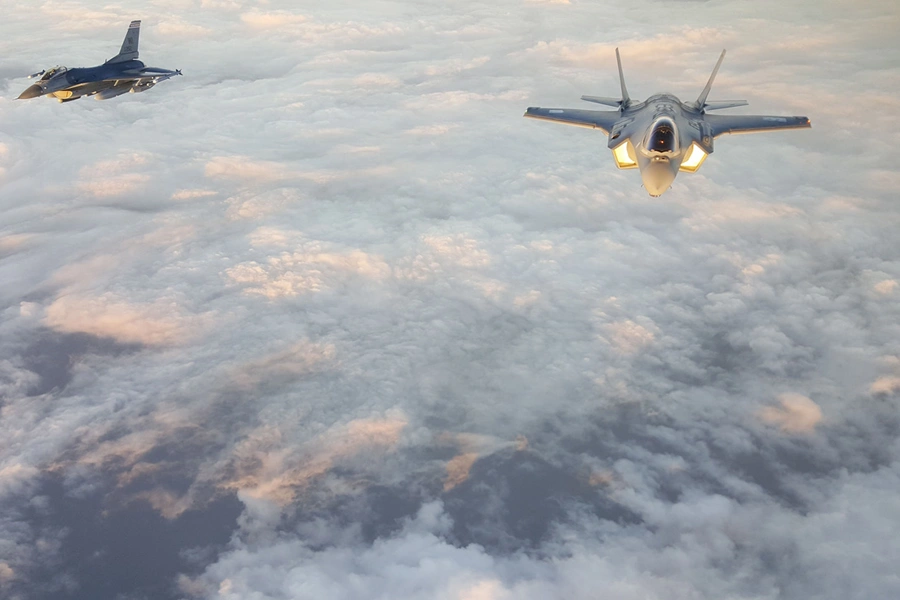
(142, 76)
(722, 124)
(592, 119)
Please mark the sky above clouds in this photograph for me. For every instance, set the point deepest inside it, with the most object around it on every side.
(327, 318)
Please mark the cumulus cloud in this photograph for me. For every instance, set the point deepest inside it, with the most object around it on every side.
(301, 358)
(289, 274)
(106, 316)
(240, 167)
(271, 20)
(796, 414)
(334, 318)
(267, 468)
(886, 385)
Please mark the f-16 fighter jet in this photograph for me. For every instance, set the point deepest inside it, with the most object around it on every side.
(121, 74)
(663, 135)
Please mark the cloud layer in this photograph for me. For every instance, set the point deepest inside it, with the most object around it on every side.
(326, 317)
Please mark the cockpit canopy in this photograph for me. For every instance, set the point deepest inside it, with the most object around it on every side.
(51, 72)
(663, 137)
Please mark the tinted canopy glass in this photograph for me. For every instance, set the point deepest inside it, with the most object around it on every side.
(662, 137)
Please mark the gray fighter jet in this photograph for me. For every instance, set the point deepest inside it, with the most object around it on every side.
(121, 74)
(663, 135)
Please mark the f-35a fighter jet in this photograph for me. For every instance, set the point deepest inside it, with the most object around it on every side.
(663, 135)
(121, 74)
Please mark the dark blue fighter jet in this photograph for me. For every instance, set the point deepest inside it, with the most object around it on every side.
(121, 74)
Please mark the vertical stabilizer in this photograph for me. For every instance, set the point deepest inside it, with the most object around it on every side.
(129, 49)
(701, 101)
(626, 100)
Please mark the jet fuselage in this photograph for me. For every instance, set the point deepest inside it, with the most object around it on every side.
(663, 135)
(119, 75)
(658, 136)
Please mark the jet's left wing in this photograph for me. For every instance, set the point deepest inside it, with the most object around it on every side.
(722, 124)
(592, 119)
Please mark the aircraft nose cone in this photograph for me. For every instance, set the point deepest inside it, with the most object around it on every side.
(658, 177)
(32, 91)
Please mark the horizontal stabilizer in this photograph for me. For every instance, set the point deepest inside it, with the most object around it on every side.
(720, 104)
(616, 102)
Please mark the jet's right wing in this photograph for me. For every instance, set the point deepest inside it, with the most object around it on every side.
(143, 75)
(722, 124)
(592, 119)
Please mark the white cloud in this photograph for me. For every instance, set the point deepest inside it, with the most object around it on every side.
(885, 287)
(431, 349)
(267, 468)
(6, 573)
(244, 168)
(308, 270)
(629, 337)
(271, 20)
(797, 414)
(886, 385)
(108, 316)
(191, 194)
